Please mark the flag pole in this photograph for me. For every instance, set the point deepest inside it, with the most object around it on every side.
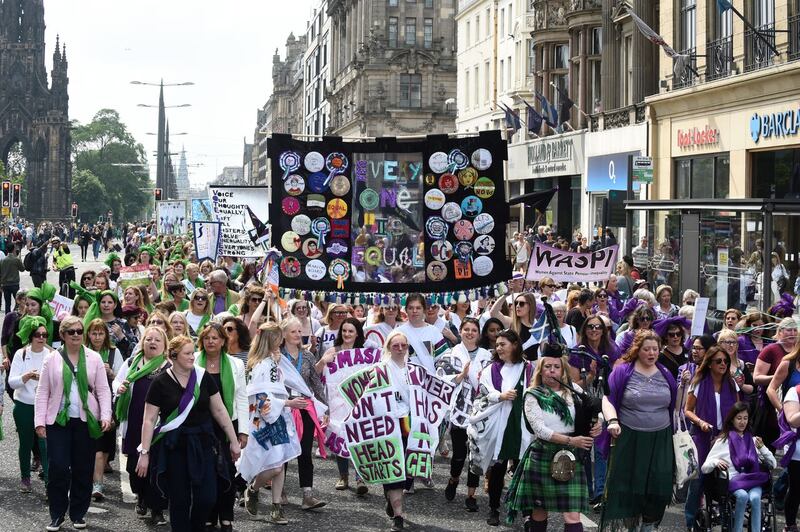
(754, 30)
(575, 105)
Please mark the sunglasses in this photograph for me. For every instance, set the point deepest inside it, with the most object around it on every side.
(39, 335)
(256, 299)
(720, 361)
(73, 332)
(594, 327)
(157, 322)
(729, 342)
(229, 328)
(201, 298)
(520, 303)
(646, 318)
(339, 313)
(549, 286)
(602, 296)
(675, 334)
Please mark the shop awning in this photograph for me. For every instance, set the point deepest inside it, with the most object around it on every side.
(784, 205)
(538, 200)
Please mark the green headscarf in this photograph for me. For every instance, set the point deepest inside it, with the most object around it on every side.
(94, 309)
(27, 325)
(82, 293)
(44, 295)
(111, 258)
(150, 250)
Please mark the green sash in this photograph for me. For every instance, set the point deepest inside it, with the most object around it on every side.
(226, 375)
(83, 391)
(124, 400)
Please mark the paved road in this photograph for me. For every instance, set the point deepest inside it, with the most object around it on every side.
(426, 510)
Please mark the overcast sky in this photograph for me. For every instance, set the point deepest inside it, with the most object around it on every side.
(224, 46)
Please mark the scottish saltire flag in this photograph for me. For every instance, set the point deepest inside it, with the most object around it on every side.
(540, 330)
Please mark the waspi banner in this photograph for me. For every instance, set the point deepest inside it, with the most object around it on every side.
(568, 266)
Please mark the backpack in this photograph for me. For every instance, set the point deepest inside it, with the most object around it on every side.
(27, 262)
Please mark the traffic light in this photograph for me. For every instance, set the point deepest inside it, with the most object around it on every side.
(6, 194)
(16, 193)
(74, 210)
(158, 194)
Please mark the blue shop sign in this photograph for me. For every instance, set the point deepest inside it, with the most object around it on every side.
(781, 124)
(609, 172)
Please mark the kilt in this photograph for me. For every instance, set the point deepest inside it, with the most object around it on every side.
(532, 486)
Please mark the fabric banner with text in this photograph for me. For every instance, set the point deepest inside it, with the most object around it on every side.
(569, 266)
(137, 275)
(243, 212)
(171, 217)
(206, 240)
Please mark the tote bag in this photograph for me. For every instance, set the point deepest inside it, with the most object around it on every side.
(686, 464)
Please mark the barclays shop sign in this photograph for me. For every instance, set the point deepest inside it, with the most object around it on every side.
(774, 125)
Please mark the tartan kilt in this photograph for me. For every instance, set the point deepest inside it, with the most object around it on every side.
(534, 488)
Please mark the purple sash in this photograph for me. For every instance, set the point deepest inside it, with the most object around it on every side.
(497, 377)
(706, 409)
(789, 436)
(745, 460)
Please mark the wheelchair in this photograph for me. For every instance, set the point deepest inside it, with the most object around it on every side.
(720, 504)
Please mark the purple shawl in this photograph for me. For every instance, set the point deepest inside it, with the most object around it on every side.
(745, 460)
(706, 409)
(661, 326)
(497, 377)
(789, 436)
(617, 382)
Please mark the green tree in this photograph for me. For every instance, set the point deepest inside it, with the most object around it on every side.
(105, 150)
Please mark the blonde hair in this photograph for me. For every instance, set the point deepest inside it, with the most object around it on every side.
(728, 334)
(536, 380)
(268, 340)
(387, 352)
(182, 317)
(161, 332)
(167, 324)
(287, 324)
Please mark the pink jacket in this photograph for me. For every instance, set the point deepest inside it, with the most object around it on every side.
(51, 389)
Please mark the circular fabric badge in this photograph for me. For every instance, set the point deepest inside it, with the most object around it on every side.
(301, 224)
(319, 228)
(337, 248)
(448, 183)
(368, 199)
(484, 245)
(457, 160)
(291, 267)
(340, 185)
(314, 161)
(437, 271)
(451, 212)
(316, 182)
(315, 270)
(373, 256)
(438, 162)
(484, 224)
(294, 185)
(482, 159)
(315, 203)
(463, 230)
(395, 226)
(289, 161)
(436, 228)
(337, 163)
(337, 208)
(434, 199)
(339, 268)
(442, 250)
(311, 248)
(430, 180)
(290, 206)
(467, 177)
(484, 188)
(290, 241)
(471, 206)
(463, 250)
(482, 266)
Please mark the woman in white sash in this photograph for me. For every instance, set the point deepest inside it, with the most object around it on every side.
(274, 438)
(184, 400)
(386, 320)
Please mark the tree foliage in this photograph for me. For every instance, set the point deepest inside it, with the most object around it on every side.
(106, 154)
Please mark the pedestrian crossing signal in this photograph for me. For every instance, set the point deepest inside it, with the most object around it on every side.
(158, 194)
(16, 192)
(6, 194)
(74, 210)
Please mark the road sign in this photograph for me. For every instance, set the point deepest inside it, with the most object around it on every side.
(642, 169)
(6, 211)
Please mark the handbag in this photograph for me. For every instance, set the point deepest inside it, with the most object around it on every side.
(686, 464)
(562, 468)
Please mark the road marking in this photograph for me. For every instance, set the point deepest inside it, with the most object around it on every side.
(124, 482)
(96, 510)
(587, 523)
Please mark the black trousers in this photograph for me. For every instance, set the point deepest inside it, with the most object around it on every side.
(460, 446)
(189, 502)
(9, 291)
(149, 497)
(71, 463)
(497, 477)
(222, 510)
(38, 279)
(305, 462)
(84, 250)
(793, 495)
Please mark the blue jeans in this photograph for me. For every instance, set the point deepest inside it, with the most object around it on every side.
(600, 469)
(96, 248)
(742, 497)
(693, 498)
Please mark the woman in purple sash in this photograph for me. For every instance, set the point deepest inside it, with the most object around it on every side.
(712, 394)
(741, 455)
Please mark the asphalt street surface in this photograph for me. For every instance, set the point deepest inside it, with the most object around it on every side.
(426, 510)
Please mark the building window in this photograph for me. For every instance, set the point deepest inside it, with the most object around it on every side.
(502, 75)
(477, 87)
(488, 22)
(466, 89)
(325, 51)
(486, 81)
(428, 33)
(392, 3)
(531, 57)
(510, 71)
(411, 31)
(392, 32)
(561, 56)
(776, 174)
(595, 93)
(763, 12)
(410, 90)
(478, 27)
(510, 18)
(688, 24)
(597, 41)
(561, 81)
(429, 3)
(627, 71)
(503, 23)
(702, 177)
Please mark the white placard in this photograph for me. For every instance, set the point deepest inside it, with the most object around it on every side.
(171, 217)
(206, 240)
(235, 208)
(699, 320)
(61, 305)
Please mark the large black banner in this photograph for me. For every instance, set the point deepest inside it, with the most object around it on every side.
(389, 215)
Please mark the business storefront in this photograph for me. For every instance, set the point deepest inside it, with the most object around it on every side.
(543, 164)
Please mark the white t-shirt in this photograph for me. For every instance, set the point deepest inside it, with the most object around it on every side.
(695, 389)
(421, 341)
(791, 396)
(194, 320)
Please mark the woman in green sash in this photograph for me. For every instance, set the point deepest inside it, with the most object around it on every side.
(198, 314)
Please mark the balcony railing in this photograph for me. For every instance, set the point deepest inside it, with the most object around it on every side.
(719, 58)
(757, 47)
(684, 69)
(794, 37)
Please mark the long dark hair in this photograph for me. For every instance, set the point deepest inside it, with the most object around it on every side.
(512, 336)
(736, 409)
(484, 341)
(605, 338)
(355, 322)
(242, 331)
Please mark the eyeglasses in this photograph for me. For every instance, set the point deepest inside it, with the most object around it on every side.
(720, 361)
(256, 299)
(339, 312)
(39, 335)
(201, 298)
(229, 328)
(73, 332)
(391, 309)
(728, 342)
(675, 334)
(594, 327)
(549, 286)
(520, 303)
(698, 348)
(646, 318)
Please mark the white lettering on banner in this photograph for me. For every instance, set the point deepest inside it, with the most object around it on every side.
(546, 152)
(230, 207)
(61, 304)
(569, 266)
